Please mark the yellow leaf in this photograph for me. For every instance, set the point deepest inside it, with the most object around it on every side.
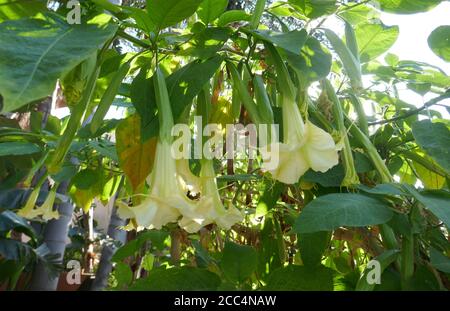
(135, 157)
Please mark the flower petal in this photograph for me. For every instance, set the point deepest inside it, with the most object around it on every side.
(319, 148)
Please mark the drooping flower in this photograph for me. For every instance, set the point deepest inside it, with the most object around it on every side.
(186, 178)
(210, 208)
(45, 210)
(165, 199)
(304, 146)
(27, 210)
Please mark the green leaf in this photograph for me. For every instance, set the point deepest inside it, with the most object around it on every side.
(359, 14)
(123, 275)
(334, 176)
(384, 189)
(147, 261)
(407, 6)
(439, 42)
(183, 85)
(165, 13)
(57, 47)
(315, 8)
(300, 278)
(291, 41)
(439, 261)
(238, 261)
(332, 211)
(207, 42)
(350, 63)
(269, 198)
(10, 220)
(314, 61)
(209, 10)
(18, 148)
(86, 179)
(15, 9)
(312, 246)
(438, 202)
(375, 39)
(434, 138)
(178, 279)
(232, 17)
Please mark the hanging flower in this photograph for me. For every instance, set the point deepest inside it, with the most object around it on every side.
(210, 208)
(45, 210)
(166, 197)
(27, 210)
(186, 178)
(304, 146)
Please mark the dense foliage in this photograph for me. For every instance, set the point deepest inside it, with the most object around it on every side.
(362, 174)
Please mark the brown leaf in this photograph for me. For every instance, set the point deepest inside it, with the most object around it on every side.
(135, 157)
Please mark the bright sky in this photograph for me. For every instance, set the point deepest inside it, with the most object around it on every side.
(412, 44)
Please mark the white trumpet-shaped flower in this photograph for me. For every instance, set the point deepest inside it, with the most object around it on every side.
(210, 208)
(186, 178)
(304, 146)
(166, 198)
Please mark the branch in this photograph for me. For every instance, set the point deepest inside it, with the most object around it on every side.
(415, 111)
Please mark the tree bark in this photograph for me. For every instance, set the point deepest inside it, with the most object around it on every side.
(55, 236)
(105, 265)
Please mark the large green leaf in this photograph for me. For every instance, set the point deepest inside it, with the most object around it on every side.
(238, 261)
(335, 210)
(314, 61)
(183, 85)
(312, 246)
(300, 278)
(178, 278)
(15, 9)
(407, 6)
(439, 261)
(10, 220)
(165, 13)
(375, 39)
(439, 42)
(209, 10)
(232, 17)
(18, 148)
(315, 8)
(359, 14)
(291, 41)
(437, 201)
(34, 53)
(434, 138)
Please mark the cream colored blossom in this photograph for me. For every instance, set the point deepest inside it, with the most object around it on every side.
(210, 208)
(45, 210)
(166, 198)
(304, 146)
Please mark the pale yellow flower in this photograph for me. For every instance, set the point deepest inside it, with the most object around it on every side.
(27, 210)
(210, 208)
(186, 178)
(304, 146)
(45, 210)
(166, 198)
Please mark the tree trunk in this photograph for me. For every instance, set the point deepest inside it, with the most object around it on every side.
(55, 236)
(105, 265)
